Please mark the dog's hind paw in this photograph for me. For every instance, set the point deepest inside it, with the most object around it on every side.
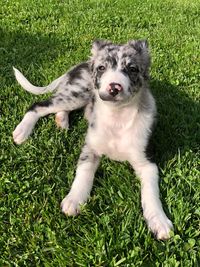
(70, 205)
(62, 120)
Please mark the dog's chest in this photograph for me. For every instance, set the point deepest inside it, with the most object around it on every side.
(113, 133)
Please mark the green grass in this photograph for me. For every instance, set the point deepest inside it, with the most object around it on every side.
(45, 38)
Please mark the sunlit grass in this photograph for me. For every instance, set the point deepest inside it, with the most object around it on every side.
(45, 38)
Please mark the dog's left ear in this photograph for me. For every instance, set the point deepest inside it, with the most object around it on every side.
(141, 48)
(139, 45)
(98, 45)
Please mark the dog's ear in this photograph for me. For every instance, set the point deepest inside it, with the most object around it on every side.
(141, 48)
(98, 45)
(139, 45)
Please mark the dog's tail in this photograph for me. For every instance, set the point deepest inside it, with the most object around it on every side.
(37, 90)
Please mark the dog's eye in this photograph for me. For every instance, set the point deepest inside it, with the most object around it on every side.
(101, 68)
(133, 69)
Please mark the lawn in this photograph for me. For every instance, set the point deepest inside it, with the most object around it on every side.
(45, 38)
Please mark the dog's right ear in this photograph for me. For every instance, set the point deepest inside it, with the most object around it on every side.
(98, 45)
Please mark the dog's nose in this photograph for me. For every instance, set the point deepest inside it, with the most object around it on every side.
(114, 88)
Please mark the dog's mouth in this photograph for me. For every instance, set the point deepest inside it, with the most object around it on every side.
(108, 97)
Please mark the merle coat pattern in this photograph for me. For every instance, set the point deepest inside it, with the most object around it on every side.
(113, 86)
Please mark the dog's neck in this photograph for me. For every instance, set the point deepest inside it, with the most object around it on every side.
(118, 107)
(117, 115)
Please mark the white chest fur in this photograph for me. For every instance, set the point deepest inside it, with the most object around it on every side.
(118, 131)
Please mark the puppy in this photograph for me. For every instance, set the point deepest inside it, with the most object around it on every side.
(113, 85)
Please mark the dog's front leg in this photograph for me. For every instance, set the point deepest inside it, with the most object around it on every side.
(82, 185)
(153, 212)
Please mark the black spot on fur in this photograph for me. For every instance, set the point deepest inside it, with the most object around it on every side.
(91, 108)
(92, 104)
(112, 61)
(124, 55)
(84, 95)
(75, 94)
(92, 125)
(97, 77)
(111, 48)
(93, 100)
(68, 98)
(85, 89)
(61, 95)
(60, 99)
(150, 151)
(75, 73)
(45, 103)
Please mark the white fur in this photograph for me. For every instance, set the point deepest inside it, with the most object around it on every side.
(25, 127)
(37, 90)
(80, 189)
(114, 130)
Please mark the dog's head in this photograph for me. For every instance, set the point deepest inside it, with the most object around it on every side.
(119, 71)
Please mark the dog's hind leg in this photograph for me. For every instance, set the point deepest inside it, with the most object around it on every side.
(62, 119)
(61, 104)
(25, 127)
(41, 109)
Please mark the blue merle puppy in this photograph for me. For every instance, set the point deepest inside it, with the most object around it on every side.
(113, 86)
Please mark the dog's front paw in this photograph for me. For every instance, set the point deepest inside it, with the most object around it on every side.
(160, 225)
(21, 133)
(71, 205)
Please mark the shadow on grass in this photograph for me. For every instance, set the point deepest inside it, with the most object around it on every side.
(23, 50)
(177, 125)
